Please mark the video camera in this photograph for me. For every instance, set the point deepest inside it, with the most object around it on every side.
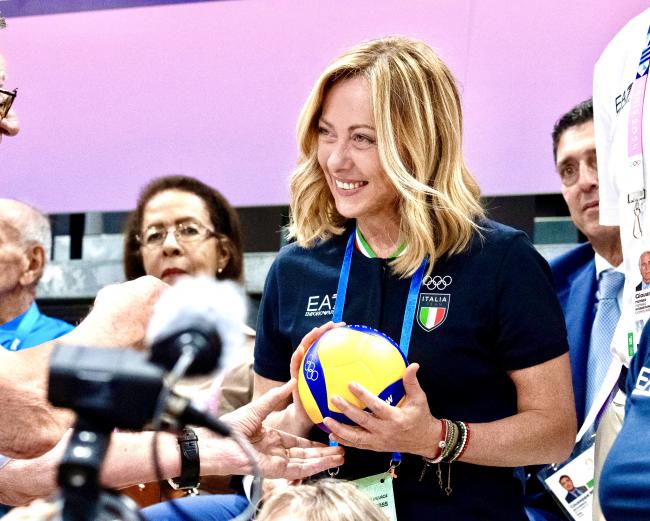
(125, 389)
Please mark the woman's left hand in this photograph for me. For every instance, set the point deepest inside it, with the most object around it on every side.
(410, 428)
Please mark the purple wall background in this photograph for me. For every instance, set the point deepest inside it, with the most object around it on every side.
(110, 99)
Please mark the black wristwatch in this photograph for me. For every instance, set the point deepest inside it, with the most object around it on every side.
(190, 463)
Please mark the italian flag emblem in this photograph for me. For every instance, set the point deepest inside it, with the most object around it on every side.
(432, 310)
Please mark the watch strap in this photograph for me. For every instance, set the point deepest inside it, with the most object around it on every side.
(190, 476)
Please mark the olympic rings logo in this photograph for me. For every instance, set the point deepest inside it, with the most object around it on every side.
(311, 373)
(436, 282)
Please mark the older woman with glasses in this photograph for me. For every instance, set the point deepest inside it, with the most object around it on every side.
(182, 227)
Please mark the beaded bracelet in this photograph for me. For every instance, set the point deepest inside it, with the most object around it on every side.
(442, 444)
(451, 442)
(460, 446)
(466, 442)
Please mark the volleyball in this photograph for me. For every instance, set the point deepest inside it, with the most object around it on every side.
(343, 355)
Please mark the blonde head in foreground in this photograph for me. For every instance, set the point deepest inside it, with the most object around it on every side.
(324, 500)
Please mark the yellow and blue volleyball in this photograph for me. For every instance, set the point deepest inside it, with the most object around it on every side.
(349, 354)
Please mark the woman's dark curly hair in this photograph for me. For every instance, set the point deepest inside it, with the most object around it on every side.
(224, 218)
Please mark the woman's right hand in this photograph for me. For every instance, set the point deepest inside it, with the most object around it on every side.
(296, 360)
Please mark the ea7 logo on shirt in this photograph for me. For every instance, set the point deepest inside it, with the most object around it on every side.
(624, 98)
(642, 387)
(432, 310)
(320, 305)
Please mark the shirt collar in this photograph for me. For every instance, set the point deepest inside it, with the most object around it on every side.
(603, 265)
(13, 324)
(362, 245)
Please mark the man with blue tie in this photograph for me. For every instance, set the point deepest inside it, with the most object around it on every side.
(573, 492)
(589, 278)
(25, 239)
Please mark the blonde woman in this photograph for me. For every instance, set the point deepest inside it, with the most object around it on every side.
(385, 213)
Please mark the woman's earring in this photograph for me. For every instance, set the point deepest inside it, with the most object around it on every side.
(220, 270)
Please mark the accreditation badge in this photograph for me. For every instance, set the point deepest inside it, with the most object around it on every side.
(379, 488)
(572, 483)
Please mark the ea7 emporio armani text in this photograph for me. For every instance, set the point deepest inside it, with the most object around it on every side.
(320, 305)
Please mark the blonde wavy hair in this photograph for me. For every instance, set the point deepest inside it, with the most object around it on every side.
(323, 500)
(418, 120)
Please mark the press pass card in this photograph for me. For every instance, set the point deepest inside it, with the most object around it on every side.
(572, 484)
(379, 488)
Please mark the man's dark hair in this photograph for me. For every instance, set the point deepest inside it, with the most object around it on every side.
(583, 112)
(564, 475)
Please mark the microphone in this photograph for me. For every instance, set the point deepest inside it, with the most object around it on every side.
(200, 317)
(183, 411)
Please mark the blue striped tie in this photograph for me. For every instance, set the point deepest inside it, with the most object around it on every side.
(607, 315)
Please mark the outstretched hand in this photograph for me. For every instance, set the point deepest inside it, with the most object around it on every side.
(409, 428)
(280, 455)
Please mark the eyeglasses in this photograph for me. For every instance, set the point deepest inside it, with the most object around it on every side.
(7, 98)
(186, 232)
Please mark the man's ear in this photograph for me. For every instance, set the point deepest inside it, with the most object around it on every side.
(34, 265)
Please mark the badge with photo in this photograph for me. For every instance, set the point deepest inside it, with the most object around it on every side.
(642, 289)
(571, 483)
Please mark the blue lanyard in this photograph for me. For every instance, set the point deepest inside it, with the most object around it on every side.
(25, 327)
(343, 280)
(411, 301)
(409, 311)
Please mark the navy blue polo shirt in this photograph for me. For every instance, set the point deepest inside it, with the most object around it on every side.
(481, 313)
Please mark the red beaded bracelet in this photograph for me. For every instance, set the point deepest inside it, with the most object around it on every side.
(442, 444)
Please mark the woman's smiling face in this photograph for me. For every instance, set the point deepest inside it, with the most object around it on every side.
(348, 155)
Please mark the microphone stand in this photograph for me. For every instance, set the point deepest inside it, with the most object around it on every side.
(84, 499)
(98, 384)
(78, 474)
